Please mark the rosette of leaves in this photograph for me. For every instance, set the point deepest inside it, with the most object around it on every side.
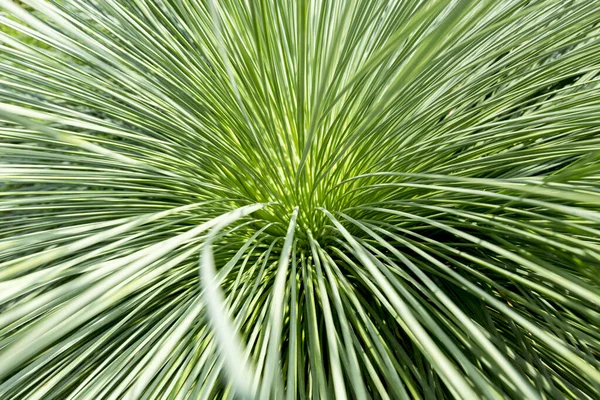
(299, 199)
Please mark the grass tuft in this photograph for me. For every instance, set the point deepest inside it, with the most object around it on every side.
(299, 199)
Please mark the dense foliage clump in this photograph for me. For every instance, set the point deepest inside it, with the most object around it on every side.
(299, 199)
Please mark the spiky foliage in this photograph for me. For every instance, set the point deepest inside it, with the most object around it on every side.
(309, 199)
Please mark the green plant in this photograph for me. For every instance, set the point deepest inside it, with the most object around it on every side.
(299, 199)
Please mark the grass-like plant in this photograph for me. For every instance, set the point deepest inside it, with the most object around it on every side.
(299, 199)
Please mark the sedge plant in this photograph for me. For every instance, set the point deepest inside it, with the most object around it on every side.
(311, 199)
